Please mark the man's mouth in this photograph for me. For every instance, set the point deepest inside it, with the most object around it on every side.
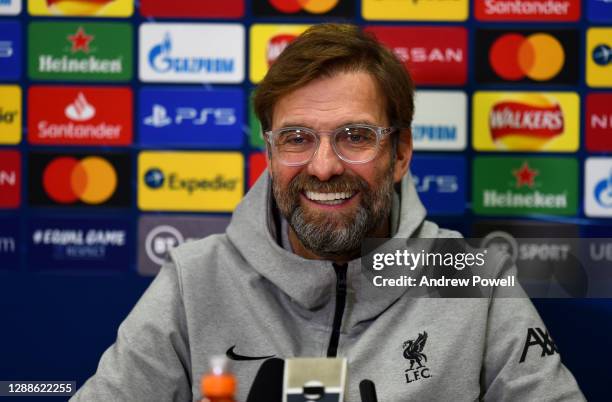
(329, 198)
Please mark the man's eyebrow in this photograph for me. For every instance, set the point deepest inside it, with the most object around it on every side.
(345, 123)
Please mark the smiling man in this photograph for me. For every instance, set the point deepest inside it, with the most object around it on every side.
(285, 280)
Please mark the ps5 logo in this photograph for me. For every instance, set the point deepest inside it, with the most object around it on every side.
(6, 49)
(198, 117)
(439, 183)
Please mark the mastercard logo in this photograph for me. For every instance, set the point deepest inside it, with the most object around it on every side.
(92, 180)
(310, 6)
(538, 56)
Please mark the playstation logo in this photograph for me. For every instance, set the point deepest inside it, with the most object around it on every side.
(154, 178)
(159, 117)
(602, 55)
(6, 49)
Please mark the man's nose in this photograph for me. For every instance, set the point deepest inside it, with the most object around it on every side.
(325, 164)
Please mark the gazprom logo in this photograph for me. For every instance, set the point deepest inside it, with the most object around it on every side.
(434, 132)
(161, 60)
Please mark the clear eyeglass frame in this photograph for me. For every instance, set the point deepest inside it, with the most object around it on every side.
(381, 132)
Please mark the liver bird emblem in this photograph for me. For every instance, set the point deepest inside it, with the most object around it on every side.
(413, 350)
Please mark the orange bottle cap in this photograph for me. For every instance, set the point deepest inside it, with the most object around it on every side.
(222, 385)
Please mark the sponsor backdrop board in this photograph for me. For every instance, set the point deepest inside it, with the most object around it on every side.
(114, 112)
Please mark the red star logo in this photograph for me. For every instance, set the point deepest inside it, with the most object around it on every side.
(525, 176)
(80, 41)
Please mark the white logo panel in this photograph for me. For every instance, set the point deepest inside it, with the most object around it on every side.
(10, 7)
(598, 187)
(440, 121)
(198, 53)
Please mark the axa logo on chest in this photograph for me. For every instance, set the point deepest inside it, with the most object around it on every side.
(167, 53)
(191, 117)
(194, 181)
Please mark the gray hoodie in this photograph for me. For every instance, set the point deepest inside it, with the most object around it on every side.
(242, 290)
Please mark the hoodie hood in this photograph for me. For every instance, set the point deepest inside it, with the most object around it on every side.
(311, 283)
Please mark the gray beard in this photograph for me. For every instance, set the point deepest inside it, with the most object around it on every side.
(330, 236)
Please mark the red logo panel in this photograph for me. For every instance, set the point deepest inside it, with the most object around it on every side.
(192, 8)
(80, 115)
(599, 122)
(432, 55)
(10, 179)
(257, 164)
(527, 10)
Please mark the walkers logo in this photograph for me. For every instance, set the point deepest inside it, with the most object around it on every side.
(84, 243)
(267, 43)
(541, 338)
(210, 118)
(599, 10)
(82, 8)
(599, 122)
(415, 10)
(192, 8)
(413, 352)
(439, 121)
(599, 57)
(80, 115)
(190, 181)
(10, 50)
(526, 121)
(9, 243)
(167, 53)
(432, 55)
(10, 179)
(527, 56)
(158, 234)
(10, 114)
(69, 51)
(10, 7)
(528, 185)
(527, 10)
(79, 179)
(440, 182)
(304, 8)
(598, 187)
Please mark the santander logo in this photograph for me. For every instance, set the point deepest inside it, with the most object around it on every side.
(80, 109)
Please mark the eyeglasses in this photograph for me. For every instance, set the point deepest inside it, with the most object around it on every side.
(354, 143)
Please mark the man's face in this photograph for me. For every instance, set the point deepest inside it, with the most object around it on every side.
(331, 205)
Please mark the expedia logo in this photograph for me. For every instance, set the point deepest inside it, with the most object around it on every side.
(311, 6)
(276, 45)
(10, 114)
(599, 57)
(602, 55)
(514, 118)
(156, 179)
(87, 180)
(171, 181)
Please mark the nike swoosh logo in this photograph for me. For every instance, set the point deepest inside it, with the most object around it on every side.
(234, 356)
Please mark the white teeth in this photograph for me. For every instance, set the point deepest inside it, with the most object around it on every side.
(334, 198)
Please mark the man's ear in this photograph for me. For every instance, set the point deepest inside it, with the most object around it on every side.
(403, 154)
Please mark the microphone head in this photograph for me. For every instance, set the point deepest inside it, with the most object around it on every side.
(367, 390)
(268, 383)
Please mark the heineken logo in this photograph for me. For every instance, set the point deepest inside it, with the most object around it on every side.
(78, 51)
(522, 186)
(80, 41)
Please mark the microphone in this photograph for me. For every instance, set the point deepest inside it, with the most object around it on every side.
(367, 390)
(268, 383)
(314, 379)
